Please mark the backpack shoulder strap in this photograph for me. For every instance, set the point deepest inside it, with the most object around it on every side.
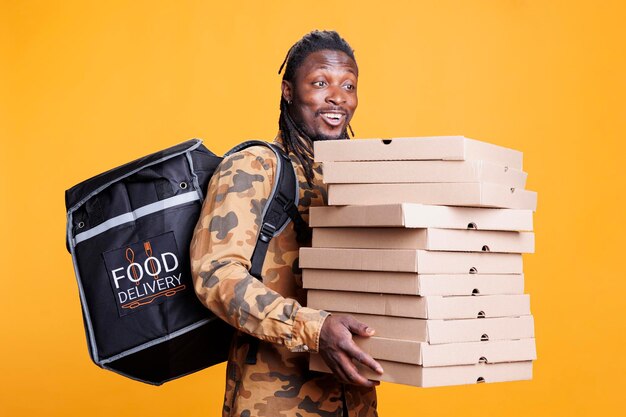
(281, 206)
(280, 209)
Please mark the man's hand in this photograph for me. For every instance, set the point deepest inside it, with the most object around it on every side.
(338, 349)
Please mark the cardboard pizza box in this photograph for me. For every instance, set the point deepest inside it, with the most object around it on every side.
(421, 216)
(448, 354)
(430, 307)
(427, 239)
(412, 283)
(448, 331)
(467, 194)
(409, 260)
(422, 171)
(419, 148)
(418, 376)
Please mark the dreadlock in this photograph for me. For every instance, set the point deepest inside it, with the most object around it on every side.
(311, 42)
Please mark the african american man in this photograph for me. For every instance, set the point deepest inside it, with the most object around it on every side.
(319, 97)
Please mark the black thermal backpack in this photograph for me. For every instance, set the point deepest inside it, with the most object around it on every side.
(128, 231)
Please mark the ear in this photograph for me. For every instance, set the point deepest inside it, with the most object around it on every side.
(287, 90)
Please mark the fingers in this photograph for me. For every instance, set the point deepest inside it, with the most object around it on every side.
(339, 350)
(357, 354)
(347, 372)
(357, 327)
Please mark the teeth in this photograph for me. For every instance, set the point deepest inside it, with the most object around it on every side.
(333, 115)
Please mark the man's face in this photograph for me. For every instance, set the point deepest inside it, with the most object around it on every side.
(323, 94)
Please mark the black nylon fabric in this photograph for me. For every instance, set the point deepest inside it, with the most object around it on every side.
(158, 176)
(137, 293)
(115, 334)
(79, 191)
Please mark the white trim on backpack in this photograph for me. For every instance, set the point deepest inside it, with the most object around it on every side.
(131, 216)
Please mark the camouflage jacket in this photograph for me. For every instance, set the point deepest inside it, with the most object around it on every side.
(279, 384)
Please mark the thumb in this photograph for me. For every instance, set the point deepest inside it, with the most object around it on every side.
(358, 328)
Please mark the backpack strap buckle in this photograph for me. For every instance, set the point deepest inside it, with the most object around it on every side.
(267, 232)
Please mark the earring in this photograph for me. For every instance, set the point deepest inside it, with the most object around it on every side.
(288, 101)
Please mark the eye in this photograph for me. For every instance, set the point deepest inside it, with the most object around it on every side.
(319, 83)
(349, 87)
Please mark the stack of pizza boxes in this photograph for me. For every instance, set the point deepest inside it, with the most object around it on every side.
(423, 241)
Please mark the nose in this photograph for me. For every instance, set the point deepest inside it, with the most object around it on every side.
(336, 95)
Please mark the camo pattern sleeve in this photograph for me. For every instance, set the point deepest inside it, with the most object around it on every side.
(221, 249)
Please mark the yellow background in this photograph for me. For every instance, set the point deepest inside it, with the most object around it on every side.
(88, 85)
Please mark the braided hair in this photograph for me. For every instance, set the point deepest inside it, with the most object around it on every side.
(311, 42)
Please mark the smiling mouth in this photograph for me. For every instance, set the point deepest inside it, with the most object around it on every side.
(333, 118)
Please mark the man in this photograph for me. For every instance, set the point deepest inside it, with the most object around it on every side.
(318, 100)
